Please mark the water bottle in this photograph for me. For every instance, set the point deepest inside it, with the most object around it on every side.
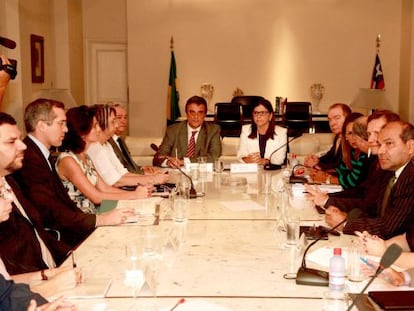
(337, 271)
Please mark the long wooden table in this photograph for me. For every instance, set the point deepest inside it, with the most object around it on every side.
(225, 256)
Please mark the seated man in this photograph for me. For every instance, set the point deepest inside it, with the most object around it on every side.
(376, 178)
(394, 201)
(336, 117)
(120, 147)
(191, 138)
(45, 122)
(25, 245)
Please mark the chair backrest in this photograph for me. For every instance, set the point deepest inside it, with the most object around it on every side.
(246, 101)
(297, 117)
(230, 118)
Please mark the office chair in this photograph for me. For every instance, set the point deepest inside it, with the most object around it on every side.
(246, 101)
(230, 118)
(297, 117)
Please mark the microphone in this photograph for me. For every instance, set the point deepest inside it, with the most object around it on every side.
(314, 277)
(193, 192)
(10, 44)
(271, 167)
(391, 254)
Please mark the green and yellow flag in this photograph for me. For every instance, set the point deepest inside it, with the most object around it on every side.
(173, 108)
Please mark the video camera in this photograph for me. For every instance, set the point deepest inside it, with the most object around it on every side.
(11, 68)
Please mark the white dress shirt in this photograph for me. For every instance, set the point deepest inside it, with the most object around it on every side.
(106, 162)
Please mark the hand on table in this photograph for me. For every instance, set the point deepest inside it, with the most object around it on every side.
(311, 160)
(372, 244)
(60, 304)
(318, 197)
(333, 216)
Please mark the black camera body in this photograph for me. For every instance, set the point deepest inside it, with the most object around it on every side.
(11, 68)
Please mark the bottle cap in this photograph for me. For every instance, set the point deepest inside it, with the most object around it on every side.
(338, 251)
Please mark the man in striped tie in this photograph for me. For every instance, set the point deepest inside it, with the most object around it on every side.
(191, 138)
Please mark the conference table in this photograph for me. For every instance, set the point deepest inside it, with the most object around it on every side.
(225, 256)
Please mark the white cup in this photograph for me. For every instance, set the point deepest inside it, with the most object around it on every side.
(292, 230)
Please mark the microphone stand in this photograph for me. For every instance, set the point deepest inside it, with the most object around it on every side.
(193, 192)
(271, 167)
(314, 277)
(391, 254)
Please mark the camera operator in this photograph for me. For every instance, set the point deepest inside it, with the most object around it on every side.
(4, 78)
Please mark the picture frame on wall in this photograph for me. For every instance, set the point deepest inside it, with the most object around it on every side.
(37, 58)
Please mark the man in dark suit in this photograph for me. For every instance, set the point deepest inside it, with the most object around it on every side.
(25, 245)
(119, 145)
(395, 201)
(45, 122)
(336, 117)
(191, 138)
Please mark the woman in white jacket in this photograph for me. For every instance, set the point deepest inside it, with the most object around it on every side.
(262, 137)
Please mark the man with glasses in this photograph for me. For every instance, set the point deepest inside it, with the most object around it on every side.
(191, 138)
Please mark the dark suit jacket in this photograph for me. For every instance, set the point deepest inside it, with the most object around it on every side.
(19, 247)
(208, 142)
(50, 199)
(128, 163)
(399, 212)
(332, 158)
(366, 195)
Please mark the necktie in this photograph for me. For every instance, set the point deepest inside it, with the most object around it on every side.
(125, 152)
(387, 193)
(191, 145)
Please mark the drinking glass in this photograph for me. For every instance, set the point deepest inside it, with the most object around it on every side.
(134, 274)
(218, 166)
(354, 261)
(292, 230)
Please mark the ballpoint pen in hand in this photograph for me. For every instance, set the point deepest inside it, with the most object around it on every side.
(73, 260)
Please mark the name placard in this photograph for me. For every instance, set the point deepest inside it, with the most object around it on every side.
(243, 167)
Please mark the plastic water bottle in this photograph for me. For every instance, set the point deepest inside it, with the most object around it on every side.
(337, 271)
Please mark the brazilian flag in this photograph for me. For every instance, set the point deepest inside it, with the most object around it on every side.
(173, 109)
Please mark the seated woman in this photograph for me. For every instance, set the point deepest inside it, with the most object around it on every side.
(105, 160)
(261, 138)
(78, 175)
(353, 167)
(45, 283)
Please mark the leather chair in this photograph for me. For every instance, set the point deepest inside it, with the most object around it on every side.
(297, 117)
(230, 118)
(246, 101)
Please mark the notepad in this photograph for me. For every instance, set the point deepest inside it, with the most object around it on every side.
(393, 300)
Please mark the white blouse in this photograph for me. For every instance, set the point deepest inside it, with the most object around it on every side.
(250, 145)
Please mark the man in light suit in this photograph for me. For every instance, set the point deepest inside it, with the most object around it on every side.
(191, 138)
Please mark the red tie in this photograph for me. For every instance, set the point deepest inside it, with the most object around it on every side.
(191, 145)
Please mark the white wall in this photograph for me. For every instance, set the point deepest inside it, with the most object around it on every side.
(265, 47)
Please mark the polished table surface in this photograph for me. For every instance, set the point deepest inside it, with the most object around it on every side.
(223, 255)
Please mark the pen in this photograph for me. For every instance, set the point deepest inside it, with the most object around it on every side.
(176, 155)
(366, 262)
(182, 300)
(73, 260)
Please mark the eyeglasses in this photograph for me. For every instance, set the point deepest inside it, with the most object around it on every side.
(260, 113)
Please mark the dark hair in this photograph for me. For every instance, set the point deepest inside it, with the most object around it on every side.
(407, 130)
(79, 123)
(271, 129)
(388, 115)
(359, 127)
(5, 118)
(102, 113)
(346, 110)
(345, 146)
(40, 109)
(196, 100)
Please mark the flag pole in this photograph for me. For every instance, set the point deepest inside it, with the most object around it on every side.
(378, 43)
